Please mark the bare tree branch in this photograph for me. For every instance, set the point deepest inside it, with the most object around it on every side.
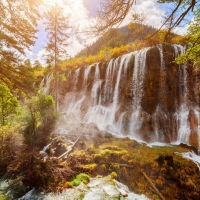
(112, 13)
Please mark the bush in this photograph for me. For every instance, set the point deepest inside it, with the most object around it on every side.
(81, 178)
(38, 117)
(8, 104)
(11, 141)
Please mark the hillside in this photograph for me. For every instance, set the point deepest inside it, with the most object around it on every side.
(117, 37)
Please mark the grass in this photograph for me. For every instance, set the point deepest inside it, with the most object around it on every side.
(126, 160)
(2, 197)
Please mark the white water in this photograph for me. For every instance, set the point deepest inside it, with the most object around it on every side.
(183, 112)
(123, 63)
(109, 78)
(87, 71)
(45, 83)
(192, 156)
(138, 76)
(77, 72)
(104, 116)
(29, 196)
(184, 127)
(96, 86)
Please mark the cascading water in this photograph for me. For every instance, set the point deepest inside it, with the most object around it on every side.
(96, 86)
(185, 108)
(142, 95)
(138, 76)
(76, 78)
(137, 89)
(45, 83)
(104, 116)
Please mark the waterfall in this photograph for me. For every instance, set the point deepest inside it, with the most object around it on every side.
(183, 112)
(86, 74)
(183, 75)
(77, 72)
(109, 78)
(104, 116)
(142, 95)
(138, 76)
(97, 85)
(123, 62)
(45, 83)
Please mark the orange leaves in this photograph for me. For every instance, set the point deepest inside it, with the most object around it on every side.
(180, 40)
(103, 56)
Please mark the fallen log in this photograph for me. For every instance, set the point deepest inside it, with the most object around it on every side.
(120, 164)
(154, 187)
(70, 148)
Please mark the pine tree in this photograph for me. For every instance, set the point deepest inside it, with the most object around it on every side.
(18, 22)
(56, 27)
(37, 64)
(17, 27)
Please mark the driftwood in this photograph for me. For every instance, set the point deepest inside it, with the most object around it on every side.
(120, 164)
(154, 187)
(70, 148)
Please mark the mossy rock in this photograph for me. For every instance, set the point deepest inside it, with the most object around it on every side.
(80, 178)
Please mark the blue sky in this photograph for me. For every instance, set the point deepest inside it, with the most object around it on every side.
(83, 10)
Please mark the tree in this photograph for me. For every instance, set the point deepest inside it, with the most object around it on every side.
(39, 111)
(56, 27)
(137, 23)
(17, 27)
(8, 104)
(112, 12)
(37, 64)
(193, 41)
(193, 52)
(27, 63)
(17, 34)
(11, 142)
(17, 77)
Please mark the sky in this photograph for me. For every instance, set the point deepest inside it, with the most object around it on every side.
(83, 10)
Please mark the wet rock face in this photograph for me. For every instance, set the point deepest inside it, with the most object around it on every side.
(193, 121)
(144, 95)
(152, 80)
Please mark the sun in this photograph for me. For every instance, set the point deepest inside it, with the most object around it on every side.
(53, 2)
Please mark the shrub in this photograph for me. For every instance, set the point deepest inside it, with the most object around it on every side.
(81, 178)
(11, 141)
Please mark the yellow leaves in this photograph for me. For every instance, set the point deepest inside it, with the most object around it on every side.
(40, 72)
(17, 166)
(180, 39)
(107, 53)
(131, 25)
(103, 56)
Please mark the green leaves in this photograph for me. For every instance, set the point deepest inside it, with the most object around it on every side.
(39, 111)
(18, 25)
(17, 34)
(193, 41)
(8, 104)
